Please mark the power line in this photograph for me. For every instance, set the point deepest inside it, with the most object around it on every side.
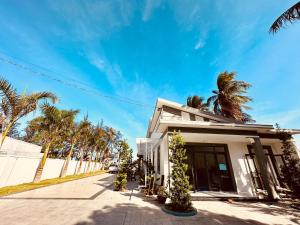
(73, 84)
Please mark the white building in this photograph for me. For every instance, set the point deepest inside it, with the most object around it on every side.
(223, 155)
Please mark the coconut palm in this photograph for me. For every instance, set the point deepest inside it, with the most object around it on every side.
(49, 128)
(83, 139)
(73, 136)
(290, 15)
(97, 143)
(197, 102)
(229, 100)
(111, 137)
(15, 106)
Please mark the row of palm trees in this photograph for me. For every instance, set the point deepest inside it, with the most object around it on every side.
(55, 130)
(228, 100)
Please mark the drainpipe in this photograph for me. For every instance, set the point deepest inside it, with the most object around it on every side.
(264, 169)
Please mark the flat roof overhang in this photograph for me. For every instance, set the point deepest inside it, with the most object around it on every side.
(219, 128)
(222, 138)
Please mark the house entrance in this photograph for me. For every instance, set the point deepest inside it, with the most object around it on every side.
(209, 168)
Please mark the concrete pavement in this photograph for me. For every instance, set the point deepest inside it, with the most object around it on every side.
(92, 201)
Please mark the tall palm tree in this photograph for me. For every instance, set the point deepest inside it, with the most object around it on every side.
(229, 100)
(49, 128)
(15, 106)
(83, 141)
(197, 102)
(111, 137)
(74, 132)
(290, 15)
(97, 143)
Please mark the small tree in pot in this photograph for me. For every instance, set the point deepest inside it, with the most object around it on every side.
(124, 160)
(179, 189)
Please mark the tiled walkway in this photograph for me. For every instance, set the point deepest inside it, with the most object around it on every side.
(92, 201)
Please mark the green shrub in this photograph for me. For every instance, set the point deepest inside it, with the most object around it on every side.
(291, 170)
(120, 181)
(180, 187)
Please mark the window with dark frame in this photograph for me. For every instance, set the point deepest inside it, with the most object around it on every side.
(192, 117)
(158, 159)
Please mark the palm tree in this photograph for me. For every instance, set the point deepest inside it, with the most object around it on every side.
(97, 143)
(73, 135)
(111, 137)
(290, 15)
(83, 140)
(49, 128)
(15, 106)
(197, 102)
(229, 100)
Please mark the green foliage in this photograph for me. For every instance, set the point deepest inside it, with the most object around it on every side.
(197, 102)
(125, 156)
(291, 170)
(229, 100)
(121, 181)
(179, 190)
(162, 191)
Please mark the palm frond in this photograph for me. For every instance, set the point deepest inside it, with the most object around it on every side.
(43, 96)
(290, 15)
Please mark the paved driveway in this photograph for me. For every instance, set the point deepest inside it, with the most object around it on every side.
(92, 201)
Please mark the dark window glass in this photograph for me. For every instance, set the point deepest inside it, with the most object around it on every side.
(205, 119)
(206, 148)
(219, 149)
(158, 159)
(192, 117)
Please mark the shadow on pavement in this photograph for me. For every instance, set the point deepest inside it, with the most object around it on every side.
(130, 214)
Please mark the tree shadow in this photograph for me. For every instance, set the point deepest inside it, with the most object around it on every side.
(126, 214)
(271, 208)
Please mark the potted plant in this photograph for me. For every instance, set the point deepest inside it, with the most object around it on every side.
(162, 195)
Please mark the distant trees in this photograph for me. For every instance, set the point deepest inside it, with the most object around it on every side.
(228, 100)
(290, 15)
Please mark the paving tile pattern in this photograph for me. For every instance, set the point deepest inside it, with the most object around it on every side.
(92, 201)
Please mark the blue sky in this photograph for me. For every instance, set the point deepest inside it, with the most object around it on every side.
(142, 50)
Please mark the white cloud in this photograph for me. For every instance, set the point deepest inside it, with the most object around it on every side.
(150, 6)
(90, 20)
(286, 119)
(199, 44)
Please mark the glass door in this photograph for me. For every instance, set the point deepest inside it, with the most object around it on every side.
(201, 172)
(208, 168)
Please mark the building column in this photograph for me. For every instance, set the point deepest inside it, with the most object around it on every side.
(264, 169)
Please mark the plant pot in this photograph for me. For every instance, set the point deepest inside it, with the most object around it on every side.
(190, 212)
(161, 199)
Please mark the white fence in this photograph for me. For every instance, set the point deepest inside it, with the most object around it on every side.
(17, 169)
(19, 161)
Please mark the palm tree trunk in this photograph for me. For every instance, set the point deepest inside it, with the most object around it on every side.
(4, 135)
(95, 161)
(66, 163)
(89, 164)
(80, 163)
(40, 168)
